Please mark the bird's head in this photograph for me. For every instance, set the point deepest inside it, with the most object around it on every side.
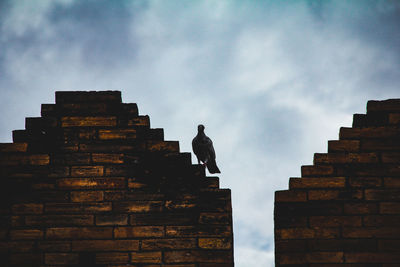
(200, 128)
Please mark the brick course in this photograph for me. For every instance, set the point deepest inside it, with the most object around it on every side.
(89, 183)
(345, 208)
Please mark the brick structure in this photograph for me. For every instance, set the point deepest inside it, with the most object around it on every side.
(345, 209)
(89, 183)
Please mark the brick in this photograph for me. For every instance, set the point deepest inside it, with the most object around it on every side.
(290, 196)
(215, 218)
(388, 144)
(26, 234)
(290, 246)
(113, 134)
(23, 159)
(342, 245)
(345, 158)
(163, 146)
(162, 218)
(85, 171)
(389, 207)
(394, 118)
(79, 233)
(365, 182)
(290, 221)
(13, 147)
(371, 257)
(316, 170)
(89, 121)
(112, 257)
(335, 194)
(343, 146)
(61, 258)
(217, 230)
(170, 243)
(139, 231)
(109, 147)
(381, 194)
(91, 183)
(87, 196)
(146, 257)
(360, 208)
(307, 233)
(182, 205)
(70, 158)
(134, 183)
(16, 246)
(59, 220)
(383, 106)
(311, 257)
(141, 121)
(105, 245)
(337, 182)
(88, 97)
(381, 220)
(27, 208)
(25, 259)
(204, 256)
(54, 246)
(390, 157)
(66, 208)
(334, 221)
(367, 133)
(389, 245)
(391, 182)
(138, 206)
(108, 158)
(371, 232)
(112, 219)
(215, 243)
(308, 208)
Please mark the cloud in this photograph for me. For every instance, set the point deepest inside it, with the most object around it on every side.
(272, 81)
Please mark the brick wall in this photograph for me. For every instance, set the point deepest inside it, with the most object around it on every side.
(89, 183)
(345, 209)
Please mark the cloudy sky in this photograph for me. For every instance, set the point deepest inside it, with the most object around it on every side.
(272, 81)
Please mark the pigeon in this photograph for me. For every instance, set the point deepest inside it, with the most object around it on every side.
(204, 150)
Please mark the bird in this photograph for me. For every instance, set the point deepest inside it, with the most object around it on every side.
(203, 149)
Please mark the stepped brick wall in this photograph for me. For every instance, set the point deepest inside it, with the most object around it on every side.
(89, 183)
(345, 209)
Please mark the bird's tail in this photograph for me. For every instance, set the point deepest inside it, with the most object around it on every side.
(212, 167)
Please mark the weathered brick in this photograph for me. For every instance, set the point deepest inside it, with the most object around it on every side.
(112, 134)
(87, 196)
(88, 121)
(170, 243)
(112, 219)
(214, 218)
(27, 208)
(138, 206)
(391, 182)
(88, 97)
(16, 246)
(311, 257)
(91, 183)
(371, 257)
(60, 220)
(389, 207)
(309, 208)
(342, 244)
(139, 231)
(112, 257)
(371, 232)
(360, 208)
(291, 245)
(337, 182)
(141, 121)
(394, 118)
(85, 171)
(365, 182)
(381, 220)
(24, 159)
(381, 194)
(389, 245)
(290, 196)
(162, 219)
(105, 245)
(215, 243)
(146, 257)
(67, 208)
(376, 145)
(390, 157)
(202, 230)
(108, 158)
(61, 258)
(383, 105)
(26, 234)
(334, 221)
(79, 233)
(210, 256)
(335, 194)
(70, 158)
(163, 146)
(54, 246)
(25, 259)
(345, 158)
(13, 147)
(369, 132)
(316, 170)
(343, 146)
(307, 233)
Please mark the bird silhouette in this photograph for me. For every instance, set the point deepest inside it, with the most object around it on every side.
(204, 150)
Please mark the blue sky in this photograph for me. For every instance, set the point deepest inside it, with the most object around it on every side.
(272, 81)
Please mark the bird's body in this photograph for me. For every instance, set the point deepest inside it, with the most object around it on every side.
(204, 150)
